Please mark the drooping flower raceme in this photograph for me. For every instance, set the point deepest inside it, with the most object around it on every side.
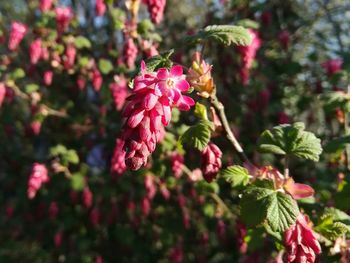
(248, 54)
(155, 9)
(130, 53)
(96, 80)
(211, 161)
(100, 7)
(177, 162)
(301, 242)
(70, 55)
(118, 160)
(38, 176)
(63, 17)
(35, 51)
(119, 91)
(18, 31)
(149, 110)
(332, 66)
(2, 93)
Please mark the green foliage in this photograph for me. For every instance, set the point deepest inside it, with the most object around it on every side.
(81, 42)
(291, 140)
(235, 175)
(105, 66)
(337, 144)
(18, 73)
(197, 136)
(261, 203)
(225, 34)
(67, 156)
(30, 88)
(201, 111)
(162, 60)
(342, 198)
(329, 228)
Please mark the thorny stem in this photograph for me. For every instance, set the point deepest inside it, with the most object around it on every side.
(219, 107)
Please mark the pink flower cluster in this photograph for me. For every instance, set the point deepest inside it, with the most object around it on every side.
(38, 176)
(119, 91)
(100, 7)
(332, 66)
(63, 17)
(248, 54)
(2, 93)
(155, 9)
(18, 31)
(45, 5)
(70, 55)
(301, 242)
(118, 160)
(130, 53)
(177, 161)
(96, 79)
(149, 110)
(35, 50)
(211, 161)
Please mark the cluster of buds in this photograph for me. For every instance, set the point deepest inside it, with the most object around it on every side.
(199, 76)
(63, 17)
(18, 31)
(301, 242)
(38, 176)
(155, 9)
(120, 91)
(149, 110)
(96, 79)
(70, 55)
(100, 7)
(248, 54)
(118, 159)
(35, 50)
(130, 53)
(211, 161)
(2, 93)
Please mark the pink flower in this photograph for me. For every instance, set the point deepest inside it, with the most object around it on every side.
(2, 93)
(130, 53)
(332, 66)
(45, 5)
(81, 83)
(119, 91)
(100, 7)
(248, 54)
(211, 161)
(96, 80)
(150, 186)
(156, 9)
(284, 38)
(118, 160)
(35, 127)
(35, 51)
(45, 55)
(301, 242)
(18, 31)
(87, 197)
(38, 176)
(177, 161)
(283, 118)
(70, 55)
(149, 48)
(98, 259)
(63, 17)
(48, 74)
(145, 206)
(149, 110)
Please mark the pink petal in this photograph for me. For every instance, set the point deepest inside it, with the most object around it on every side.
(150, 101)
(298, 191)
(162, 74)
(176, 71)
(185, 103)
(136, 118)
(182, 85)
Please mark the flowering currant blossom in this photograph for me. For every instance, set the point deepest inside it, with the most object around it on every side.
(156, 9)
(45, 5)
(63, 17)
(332, 66)
(18, 31)
(87, 197)
(35, 51)
(211, 161)
(119, 91)
(177, 161)
(149, 48)
(38, 176)
(2, 93)
(100, 7)
(248, 54)
(149, 110)
(70, 55)
(301, 242)
(118, 160)
(130, 53)
(96, 79)
(48, 74)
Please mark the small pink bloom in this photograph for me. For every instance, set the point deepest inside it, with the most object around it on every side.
(81, 83)
(284, 38)
(96, 80)
(2, 93)
(38, 176)
(58, 238)
(332, 66)
(149, 48)
(63, 17)
(35, 50)
(298, 191)
(48, 75)
(145, 206)
(211, 161)
(87, 197)
(156, 9)
(301, 242)
(45, 55)
(119, 91)
(18, 31)
(70, 55)
(177, 161)
(98, 259)
(100, 7)
(196, 175)
(45, 5)
(130, 53)
(35, 127)
(150, 186)
(118, 160)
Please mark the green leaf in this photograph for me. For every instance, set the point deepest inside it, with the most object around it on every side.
(58, 150)
(337, 144)
(72, 157)
(330, 229)
(225, 34)
(248, 23)
(289, 139)
(236, 175)
(197, 136)
(29, 88)
(105, 66)
(342, 198)
(82, 42)
(77, 182)
(201, 111)
(261, 203)
(159, 61)
(18, 73)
